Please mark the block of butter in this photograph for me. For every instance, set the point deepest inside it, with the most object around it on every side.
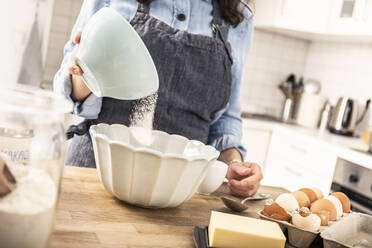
(227, 230)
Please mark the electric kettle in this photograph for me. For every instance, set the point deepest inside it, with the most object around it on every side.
(344, 117)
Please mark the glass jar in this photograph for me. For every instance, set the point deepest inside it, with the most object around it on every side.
(32, 142)
(15, 144)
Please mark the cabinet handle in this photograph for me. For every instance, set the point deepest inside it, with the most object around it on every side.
(293, 171)
(299, 149)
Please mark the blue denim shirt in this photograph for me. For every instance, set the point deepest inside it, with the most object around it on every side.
(226, 127)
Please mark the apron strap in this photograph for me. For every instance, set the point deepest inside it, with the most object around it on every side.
(143, 8)
(79, 129)
(221, 31)
(217, 13)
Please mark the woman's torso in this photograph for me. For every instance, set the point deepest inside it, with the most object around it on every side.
(198, 48)
(198, 18)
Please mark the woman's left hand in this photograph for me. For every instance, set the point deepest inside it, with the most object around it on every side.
(244, 178)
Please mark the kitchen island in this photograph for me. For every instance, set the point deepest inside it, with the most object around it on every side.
(87, 216)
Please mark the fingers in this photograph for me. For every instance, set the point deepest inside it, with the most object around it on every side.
(256, 174)
(240, 184)
(245, 193)
(77, 38)
(249, 184)
(253, 179)
(75, 70)
(240, 169)
(254, 190)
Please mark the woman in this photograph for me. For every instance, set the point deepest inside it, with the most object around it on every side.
(199, 48)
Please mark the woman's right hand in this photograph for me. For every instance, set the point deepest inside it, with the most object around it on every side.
(80, 90)
(73, 68)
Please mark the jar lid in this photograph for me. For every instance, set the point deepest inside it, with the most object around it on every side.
(32, 100)
(12, 133)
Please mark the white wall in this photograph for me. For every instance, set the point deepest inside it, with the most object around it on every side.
(343, 69)
(271, 59)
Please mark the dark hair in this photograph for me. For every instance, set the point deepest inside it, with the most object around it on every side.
(231, 12)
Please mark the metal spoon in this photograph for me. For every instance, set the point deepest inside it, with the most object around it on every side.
(240, 206)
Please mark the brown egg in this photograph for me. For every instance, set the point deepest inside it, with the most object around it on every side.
(310, 193)
(327, 205)
(318, 192)
(275, 211)
(345, 201)
(302, 198)
(324, 217)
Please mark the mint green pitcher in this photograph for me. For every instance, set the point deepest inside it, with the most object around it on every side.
(114, 59)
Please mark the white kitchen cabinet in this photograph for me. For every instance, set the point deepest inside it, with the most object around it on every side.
(353, 17)
(348, 20)
(295, 162)
(303, 15)
(256, 141)
(294, 157)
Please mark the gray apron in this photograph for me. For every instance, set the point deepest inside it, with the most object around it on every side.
(195, 82)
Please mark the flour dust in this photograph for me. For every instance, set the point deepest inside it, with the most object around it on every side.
(142, 119)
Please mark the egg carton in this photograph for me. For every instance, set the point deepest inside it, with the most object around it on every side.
(353, 231)
(299, 237)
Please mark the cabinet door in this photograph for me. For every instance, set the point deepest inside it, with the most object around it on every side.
(300, 15)
(305, 15)
(296, 162)
(256, 142)
(351, 17)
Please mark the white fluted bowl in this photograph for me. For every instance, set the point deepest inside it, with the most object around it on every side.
(164, 173)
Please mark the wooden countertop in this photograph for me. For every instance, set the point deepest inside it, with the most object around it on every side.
(87, 216)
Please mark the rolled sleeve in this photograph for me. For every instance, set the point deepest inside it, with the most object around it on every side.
(226, 133)
(62, 83)
(226, 127)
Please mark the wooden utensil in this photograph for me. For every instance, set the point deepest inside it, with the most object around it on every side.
(7, 180)
(286, 92)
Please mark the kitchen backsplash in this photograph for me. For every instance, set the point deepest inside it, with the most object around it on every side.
(271, 59)
(343, 69)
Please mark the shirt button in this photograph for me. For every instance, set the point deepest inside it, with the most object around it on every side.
(181, 17)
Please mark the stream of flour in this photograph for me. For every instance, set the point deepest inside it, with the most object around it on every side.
(142, 119)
